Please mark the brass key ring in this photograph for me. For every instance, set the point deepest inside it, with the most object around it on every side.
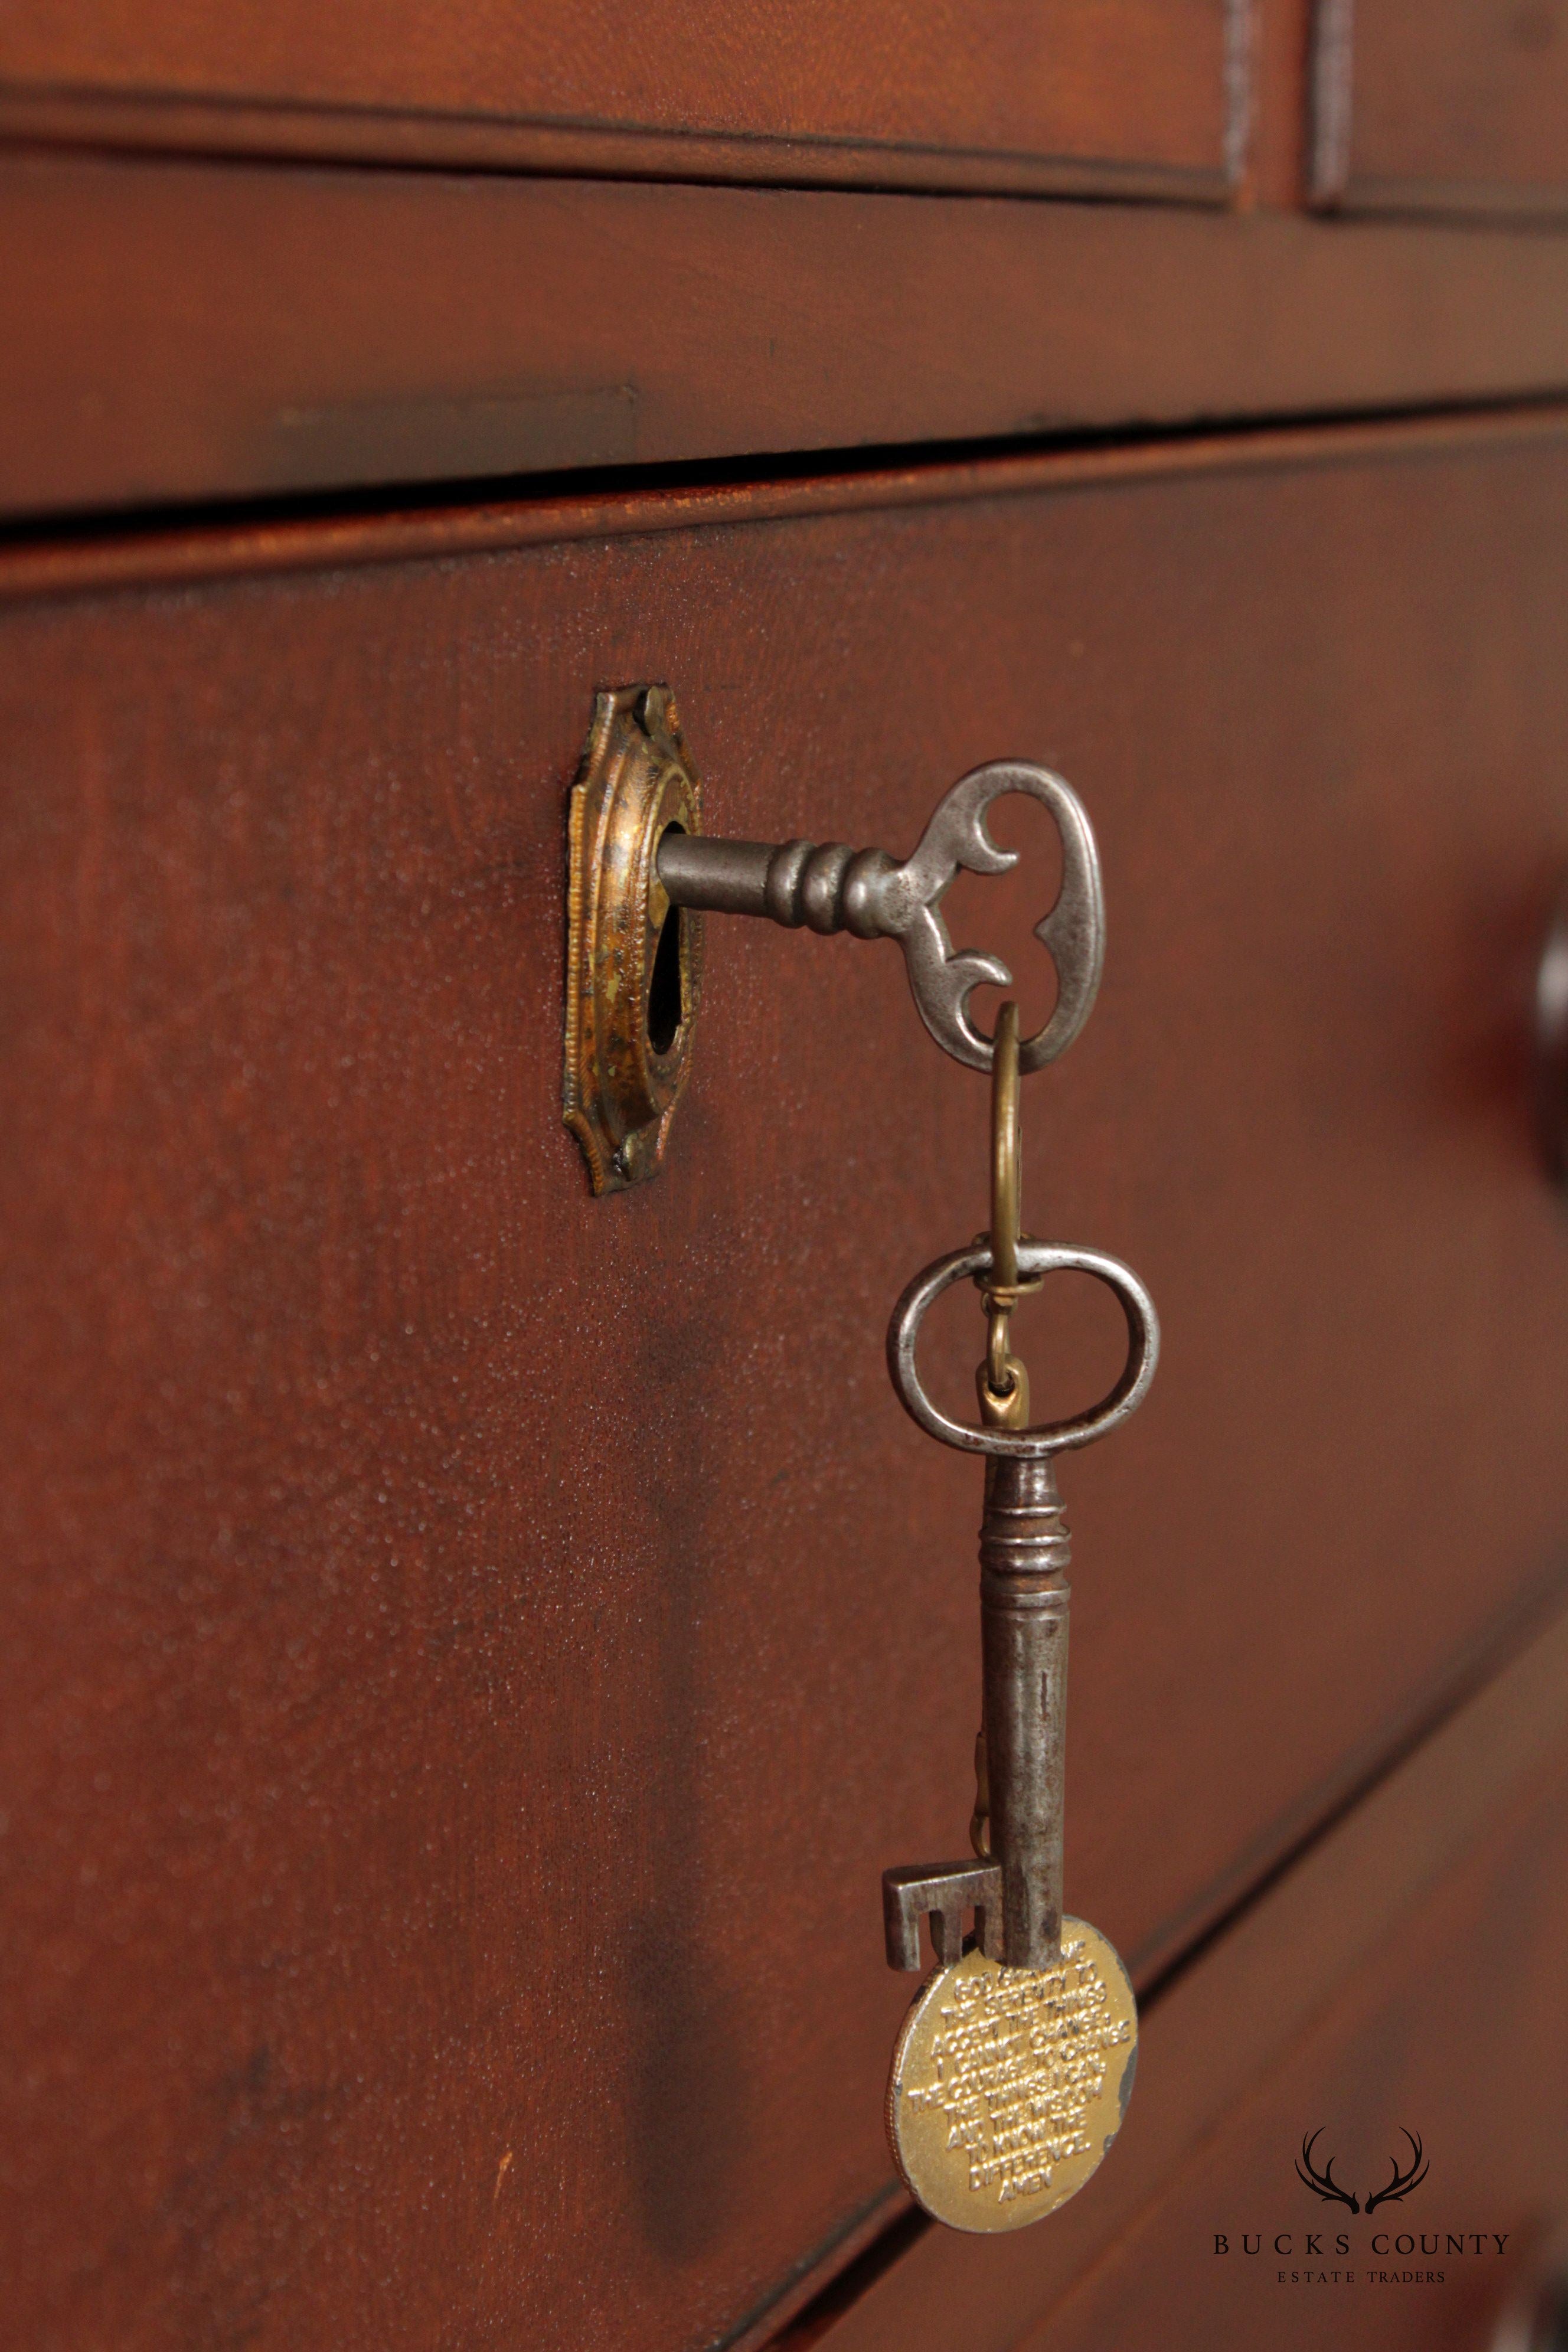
(1005, 1286)
(1012, 1267)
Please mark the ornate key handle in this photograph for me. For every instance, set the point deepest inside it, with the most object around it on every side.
(870, 895)
(643, 873)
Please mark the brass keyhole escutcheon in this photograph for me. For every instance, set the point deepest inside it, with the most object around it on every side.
(634, 959)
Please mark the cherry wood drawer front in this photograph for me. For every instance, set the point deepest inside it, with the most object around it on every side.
(474, 1647)
(204, 330)
(1455, 106)
(1133, 94)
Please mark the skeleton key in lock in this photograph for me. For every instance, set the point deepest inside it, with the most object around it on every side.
(1013, 2069)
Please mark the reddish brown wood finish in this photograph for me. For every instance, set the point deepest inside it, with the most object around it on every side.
(473, 1646)
(1279, 126)
(341, 329)
(175, 554)
(1455, 106)
(1127, 94)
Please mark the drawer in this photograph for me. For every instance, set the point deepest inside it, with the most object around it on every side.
(474, 1647)
(1134, 96)
(1460, 106)
(223, 330)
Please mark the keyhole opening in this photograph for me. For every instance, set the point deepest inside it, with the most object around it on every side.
(665, 1003)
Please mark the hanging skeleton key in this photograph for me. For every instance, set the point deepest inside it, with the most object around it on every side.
(1013, 2066)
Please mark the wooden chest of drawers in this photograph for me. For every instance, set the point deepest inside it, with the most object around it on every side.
(473, 1645)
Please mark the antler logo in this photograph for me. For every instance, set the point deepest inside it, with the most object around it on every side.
(1323, 2184)
(1403, 2182)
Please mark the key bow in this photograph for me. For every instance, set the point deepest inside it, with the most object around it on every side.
(957, 839)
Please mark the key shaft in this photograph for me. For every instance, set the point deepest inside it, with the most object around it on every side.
(1024, 1550)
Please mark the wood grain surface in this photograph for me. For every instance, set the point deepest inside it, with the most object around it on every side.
(1128, 95)
(473, 1647)
(196, 331)
(1458, 106)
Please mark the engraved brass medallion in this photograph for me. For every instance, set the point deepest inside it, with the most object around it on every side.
(1009, 2085)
